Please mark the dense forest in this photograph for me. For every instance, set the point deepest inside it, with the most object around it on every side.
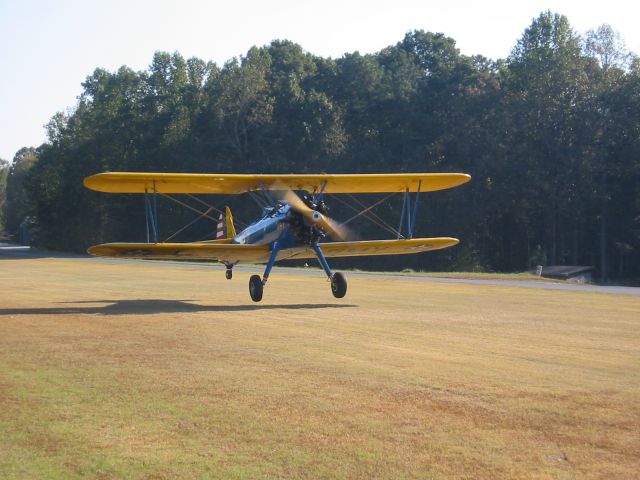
(551, 136)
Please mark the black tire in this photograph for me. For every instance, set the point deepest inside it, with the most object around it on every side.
(255, 288)
(338, 285)
(229, 274)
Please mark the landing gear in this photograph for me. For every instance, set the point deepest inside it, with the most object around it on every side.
(338, 280)
(255, 288)
(256, 284)
(229, 273)
(338, 285)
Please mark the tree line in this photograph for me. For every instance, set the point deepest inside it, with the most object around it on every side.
(551, 136)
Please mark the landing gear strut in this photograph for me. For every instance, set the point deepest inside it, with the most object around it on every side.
(256, 284)
(338, 280)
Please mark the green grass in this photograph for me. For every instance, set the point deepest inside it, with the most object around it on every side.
(155, 371)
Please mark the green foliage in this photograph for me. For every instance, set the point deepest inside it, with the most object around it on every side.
(17, 198)
(550, 135)
(4, 173)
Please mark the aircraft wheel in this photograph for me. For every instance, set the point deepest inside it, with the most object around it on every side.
(255, 288)
(229, 274)
(338, 285)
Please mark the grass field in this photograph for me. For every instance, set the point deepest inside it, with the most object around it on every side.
(140, 370)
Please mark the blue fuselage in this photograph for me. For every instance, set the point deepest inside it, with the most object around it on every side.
(269, 228)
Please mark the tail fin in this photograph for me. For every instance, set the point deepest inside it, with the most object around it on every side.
(225, 230)
(231, 229)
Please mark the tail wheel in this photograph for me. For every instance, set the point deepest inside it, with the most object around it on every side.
(338, 285)
(229, 274)
(255, 288)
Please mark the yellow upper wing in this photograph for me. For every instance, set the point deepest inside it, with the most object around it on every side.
(130, 182)
(232, 253)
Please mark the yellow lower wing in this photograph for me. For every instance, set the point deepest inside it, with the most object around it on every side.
(232, 253)
(372, 248)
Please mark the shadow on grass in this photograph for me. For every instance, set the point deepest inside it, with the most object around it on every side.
(154, 306)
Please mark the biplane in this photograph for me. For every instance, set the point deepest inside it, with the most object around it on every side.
(294, 223)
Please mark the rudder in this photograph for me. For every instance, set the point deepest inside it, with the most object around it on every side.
(231, 229)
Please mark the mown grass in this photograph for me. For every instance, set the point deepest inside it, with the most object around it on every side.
(473, 275)
(167, 371)
(526, 276)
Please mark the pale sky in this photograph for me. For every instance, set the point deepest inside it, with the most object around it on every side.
(48, 47)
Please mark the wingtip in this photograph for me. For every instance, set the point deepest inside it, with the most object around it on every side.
(464, 178)
(90, 182)
(96, 250)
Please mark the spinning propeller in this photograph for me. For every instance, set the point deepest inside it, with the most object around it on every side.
(335, 230)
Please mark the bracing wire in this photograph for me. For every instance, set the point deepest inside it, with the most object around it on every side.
(189, 207)
(241, 224)
(193, 209)
(371, 214)
(186, 226)
(368, 213)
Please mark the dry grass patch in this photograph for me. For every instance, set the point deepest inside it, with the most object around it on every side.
(163, 371)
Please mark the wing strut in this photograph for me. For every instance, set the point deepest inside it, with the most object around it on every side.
(412, 228)
(405, 197)
(318, 196)
(409, 213)
(151, 213)
(267, 195)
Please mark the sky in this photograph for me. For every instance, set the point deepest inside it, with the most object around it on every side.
(48, 47)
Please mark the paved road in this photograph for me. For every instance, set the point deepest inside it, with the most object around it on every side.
(11, 250)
